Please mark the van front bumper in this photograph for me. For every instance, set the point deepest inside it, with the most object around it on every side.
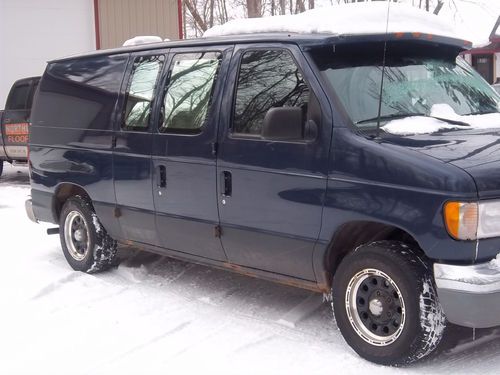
(469, 295)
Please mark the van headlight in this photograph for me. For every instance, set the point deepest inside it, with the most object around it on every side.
(472, 220)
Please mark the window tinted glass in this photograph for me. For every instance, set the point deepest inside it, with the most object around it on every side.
(80, 93)
(140, 92)
(18, 97)
(267, 79)
(417, 81)
(186, 103)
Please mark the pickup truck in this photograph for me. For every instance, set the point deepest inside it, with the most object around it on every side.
(15, 120)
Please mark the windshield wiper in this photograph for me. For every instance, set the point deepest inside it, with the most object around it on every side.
(480, 113)
(394, 116)
(401, 115)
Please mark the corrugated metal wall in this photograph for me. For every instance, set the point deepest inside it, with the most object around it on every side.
(120, 20)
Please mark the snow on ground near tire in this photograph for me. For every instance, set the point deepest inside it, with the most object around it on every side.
(156, 315)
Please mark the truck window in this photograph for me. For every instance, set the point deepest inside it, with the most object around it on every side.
(18, 98)
(140, 92)
(189, 92)
(267, 79)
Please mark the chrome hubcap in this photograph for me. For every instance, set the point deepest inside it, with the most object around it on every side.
(375, 307)
(76, 235)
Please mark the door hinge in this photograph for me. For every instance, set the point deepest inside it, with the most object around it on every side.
(217, 231)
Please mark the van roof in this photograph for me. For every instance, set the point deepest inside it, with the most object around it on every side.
(304, 41)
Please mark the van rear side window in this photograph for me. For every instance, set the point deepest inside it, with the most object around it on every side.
(140, 92)
(186, 103)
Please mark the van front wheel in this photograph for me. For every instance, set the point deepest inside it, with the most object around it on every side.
(385, 304)
(85, 243)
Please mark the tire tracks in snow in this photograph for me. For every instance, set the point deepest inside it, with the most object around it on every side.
(56, 285)
(140, 346)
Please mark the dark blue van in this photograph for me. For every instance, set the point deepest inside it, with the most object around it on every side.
(286, 157)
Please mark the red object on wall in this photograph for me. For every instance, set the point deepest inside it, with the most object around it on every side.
(179, 17)
(96, 25)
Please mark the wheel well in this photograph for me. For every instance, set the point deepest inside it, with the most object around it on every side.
(354, 234)
(63, 192)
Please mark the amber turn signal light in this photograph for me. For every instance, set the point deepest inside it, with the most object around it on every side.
(461, 219)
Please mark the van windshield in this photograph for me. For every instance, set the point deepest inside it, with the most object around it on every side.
(416, 84)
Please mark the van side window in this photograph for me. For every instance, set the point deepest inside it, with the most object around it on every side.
(18, 97)
(267, 79)
(140, 92)
(189, 92)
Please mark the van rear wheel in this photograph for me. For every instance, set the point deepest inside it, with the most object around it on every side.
(385, 304)
(85, 243)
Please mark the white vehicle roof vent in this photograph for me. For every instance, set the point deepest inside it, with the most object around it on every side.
(143, 39)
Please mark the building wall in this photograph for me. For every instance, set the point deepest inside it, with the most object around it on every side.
(497, 66)
(35, 31)
(120, 20)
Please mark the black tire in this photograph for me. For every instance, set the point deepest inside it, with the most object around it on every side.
(85, 243)
(1, 167)
(385, 304)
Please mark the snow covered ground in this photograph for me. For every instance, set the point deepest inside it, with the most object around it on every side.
(154, 315)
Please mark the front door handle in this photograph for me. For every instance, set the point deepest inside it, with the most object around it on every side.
(227, 184)
(161, 176)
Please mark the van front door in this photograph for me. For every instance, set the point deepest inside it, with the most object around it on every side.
(272, 190)
(184, 152)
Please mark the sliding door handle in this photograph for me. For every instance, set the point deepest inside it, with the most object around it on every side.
(161, 176)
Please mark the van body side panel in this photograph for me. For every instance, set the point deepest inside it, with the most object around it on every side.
(383, 183)
(71, 133)
(272, 219)
(186, 206)
(133, 184)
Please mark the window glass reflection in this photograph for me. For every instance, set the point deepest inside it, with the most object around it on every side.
(140, 92)
(267, 79)
(189, 92)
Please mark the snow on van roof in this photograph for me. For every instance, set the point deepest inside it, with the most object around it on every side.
(343, 19)
(142, 39)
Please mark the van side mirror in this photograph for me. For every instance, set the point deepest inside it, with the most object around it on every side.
(283, 124)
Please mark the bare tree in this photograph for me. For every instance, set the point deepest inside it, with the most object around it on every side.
(200, 23)
(254, 8)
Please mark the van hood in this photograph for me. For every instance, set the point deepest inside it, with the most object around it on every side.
(475, 151)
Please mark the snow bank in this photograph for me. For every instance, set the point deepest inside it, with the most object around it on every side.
(344, 19)
(425, 125)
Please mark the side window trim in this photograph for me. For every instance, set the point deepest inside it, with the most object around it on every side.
(239, 57)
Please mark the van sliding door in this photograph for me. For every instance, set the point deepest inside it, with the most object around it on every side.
(184, 152)
(132, 165)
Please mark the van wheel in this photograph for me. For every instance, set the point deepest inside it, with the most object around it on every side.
(1, 167)
(85, 243)
(385, 304)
